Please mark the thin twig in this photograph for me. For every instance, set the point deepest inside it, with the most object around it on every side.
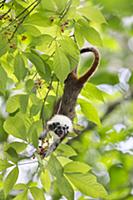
(57, 89)
(65, 11)
(44, 100)
(26, 9)
(59, 107)
(52, 42)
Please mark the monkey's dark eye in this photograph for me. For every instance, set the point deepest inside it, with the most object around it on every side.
(51, 127)
(54, 125)
(59, 127)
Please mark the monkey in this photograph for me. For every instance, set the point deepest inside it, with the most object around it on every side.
(64, 111)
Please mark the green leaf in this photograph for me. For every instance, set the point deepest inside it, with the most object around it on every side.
(90, 91)
(92, 13)
(15, 126)
(10, 180)
(55, 167)
(76, 3)
(20, 186)
(37, 192)
(56, 194)
(45, 180)
(78, 35)
(35, 139)
(19, 67)
(47, 110)
(31, 29)
(89, 111)
(12, 104)
(87, 184)
(4, 164)
(64, 160)
(66, 150)
(23, 100)
(38, 19)
(42, 41)
(90, 34)
(70, 48)
(61, 65)
(121, 193)
(35, 100)
(65, 188)
(29, 84)
(12, 155)
(21, 3)
(76, 166)
(49, 6)
(36, 126)
(38, 63)
(18, 146)
(119, 177)
(34, 132)
(61, 5)
(35, 109)
(22, 196)
(3, 134)
(3, 79)
(3, 46)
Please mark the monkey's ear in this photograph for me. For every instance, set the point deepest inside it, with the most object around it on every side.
(94, 65)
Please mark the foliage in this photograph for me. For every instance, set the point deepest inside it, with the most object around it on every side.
(40, 45)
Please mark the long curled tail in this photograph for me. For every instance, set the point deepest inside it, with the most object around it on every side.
(94, 66)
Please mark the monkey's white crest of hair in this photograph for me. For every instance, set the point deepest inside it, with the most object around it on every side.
(63, 120)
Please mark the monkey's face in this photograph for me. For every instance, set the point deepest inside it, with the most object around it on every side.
(60, 125)
(58, 128)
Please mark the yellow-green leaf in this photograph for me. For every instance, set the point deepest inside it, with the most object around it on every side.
(90, 111)
(66, 150)
(92, 13)
(12, 104)
(22, 196)
(19, 67)
(15, 126)
(55, 167)
(87, 184)
(65, 188)
(45, 180)
(61, 65)
(90, 91)
(76, 166)
(4, 164)
(37, 193)
(10, 180)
